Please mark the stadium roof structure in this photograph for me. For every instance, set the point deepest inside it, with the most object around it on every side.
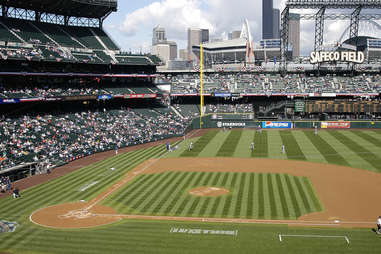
(235, 43)
(78, 8)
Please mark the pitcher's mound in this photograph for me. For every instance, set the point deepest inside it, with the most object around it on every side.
(208, 191)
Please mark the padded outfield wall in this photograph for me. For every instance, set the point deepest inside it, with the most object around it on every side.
(227, 121)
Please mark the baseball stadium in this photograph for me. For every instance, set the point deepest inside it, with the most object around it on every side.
(103, 153)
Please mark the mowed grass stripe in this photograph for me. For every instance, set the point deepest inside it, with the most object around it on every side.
(228, 199)
(228, 147)
(175, 197)
(185, 197)
(302, 194)
(146, 192)
(273, 206)
(200, 144)
(250, 197)
(161, 197)
(129, 194)
(261, 198)
(330, 154)
(160, 190)
(371, 139)
(240, 196)
(361, 151)
(282, 196)
(293, 150)
(315, 200)
(295, 205)
(261, 145)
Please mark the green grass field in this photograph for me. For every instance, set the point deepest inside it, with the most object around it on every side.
(274, 196)
(258, 196)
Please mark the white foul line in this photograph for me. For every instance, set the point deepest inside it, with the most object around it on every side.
(316, 236)
(117, 186)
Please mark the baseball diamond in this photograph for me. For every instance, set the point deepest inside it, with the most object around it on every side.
(153, 185)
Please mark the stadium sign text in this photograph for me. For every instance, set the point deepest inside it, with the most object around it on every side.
(336, 56)
(221, 124)
(276, 125)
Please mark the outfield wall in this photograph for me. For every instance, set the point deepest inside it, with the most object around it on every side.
(208, 122)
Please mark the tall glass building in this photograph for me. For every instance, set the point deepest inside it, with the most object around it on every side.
(267, 19)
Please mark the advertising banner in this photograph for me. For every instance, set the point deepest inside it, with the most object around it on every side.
(7, 101)
(105, 97)
(276, 125)
(335, 125)
(222, 94)
(231, 124)
(138, 96)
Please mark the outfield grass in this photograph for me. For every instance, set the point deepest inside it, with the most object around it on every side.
(352, 148)
(254, 195)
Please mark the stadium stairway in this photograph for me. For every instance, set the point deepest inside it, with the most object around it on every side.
(43, 33)
(71, 37)
(12, 32)
(99, 40)
(177, 112)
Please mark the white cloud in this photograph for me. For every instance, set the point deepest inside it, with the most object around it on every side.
(174, 15)
(220, 16)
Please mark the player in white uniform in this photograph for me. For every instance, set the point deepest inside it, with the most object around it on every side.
(379, 225)
(316, 130)
(190, 146)
(252, 146)
(283, 149)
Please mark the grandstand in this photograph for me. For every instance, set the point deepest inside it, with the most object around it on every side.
(66, 79)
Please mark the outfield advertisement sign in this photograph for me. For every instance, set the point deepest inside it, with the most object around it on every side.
(335, 125)
(231, 124)
(276, 125)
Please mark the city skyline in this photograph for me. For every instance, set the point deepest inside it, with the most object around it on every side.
(131, 26)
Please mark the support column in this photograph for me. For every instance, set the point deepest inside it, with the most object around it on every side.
(284, 32)
(319, 29)
(355, 20)
(354, 29)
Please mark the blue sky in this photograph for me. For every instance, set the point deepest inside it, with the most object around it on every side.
(131, 26)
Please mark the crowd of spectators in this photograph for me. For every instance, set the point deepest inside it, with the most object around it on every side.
(55, 139)
(59, 90)
(5, 184)
(229, 108)
(275, 84)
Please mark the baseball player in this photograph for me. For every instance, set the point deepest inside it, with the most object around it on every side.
(316, 130)
(283, 149)
(252, 146)
(379, 225)
(190, 146)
